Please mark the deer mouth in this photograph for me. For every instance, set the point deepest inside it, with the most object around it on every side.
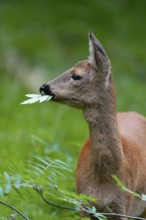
(45, 90)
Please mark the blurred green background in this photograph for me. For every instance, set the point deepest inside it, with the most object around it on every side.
(41, 39)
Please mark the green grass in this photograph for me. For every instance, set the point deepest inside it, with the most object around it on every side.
(48, 37)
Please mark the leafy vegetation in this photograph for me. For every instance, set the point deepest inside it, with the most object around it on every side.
(41, 177)
(38, 40)
(124, 188)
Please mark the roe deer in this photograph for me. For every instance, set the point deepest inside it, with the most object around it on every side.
(117, 142)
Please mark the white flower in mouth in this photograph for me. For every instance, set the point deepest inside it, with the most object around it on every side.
(36, 98)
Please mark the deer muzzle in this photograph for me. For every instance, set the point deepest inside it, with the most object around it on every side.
(45, 90)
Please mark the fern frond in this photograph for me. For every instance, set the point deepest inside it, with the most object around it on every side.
(45, 166)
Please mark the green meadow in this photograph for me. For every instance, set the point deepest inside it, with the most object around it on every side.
(38, 41)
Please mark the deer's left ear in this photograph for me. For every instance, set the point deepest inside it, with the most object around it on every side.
(98, 56)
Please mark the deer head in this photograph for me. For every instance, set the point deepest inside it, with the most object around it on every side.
(84, 83)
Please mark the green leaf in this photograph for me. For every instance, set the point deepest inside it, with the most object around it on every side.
(1, 191)
(143, 197)
(7, 178)
(17, 182)
(93, 209)
(7, 189)
(124, 188)
(40, 171)
(89, 198)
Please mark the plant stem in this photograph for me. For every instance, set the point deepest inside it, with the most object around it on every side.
(124, 216)
(39, 191)
(14, 209)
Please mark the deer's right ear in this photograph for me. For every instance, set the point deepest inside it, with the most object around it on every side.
(98, 56)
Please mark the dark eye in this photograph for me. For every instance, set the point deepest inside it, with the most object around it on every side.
(76, 77)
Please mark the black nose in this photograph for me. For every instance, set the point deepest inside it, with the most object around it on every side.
(45, 90)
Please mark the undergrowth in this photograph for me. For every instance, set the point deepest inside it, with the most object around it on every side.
(41, 175)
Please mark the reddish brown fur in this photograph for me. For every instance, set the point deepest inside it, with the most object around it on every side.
(133, 170)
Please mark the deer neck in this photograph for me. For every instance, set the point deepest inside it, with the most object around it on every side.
(105, 142)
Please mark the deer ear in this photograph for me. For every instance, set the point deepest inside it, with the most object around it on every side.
(98, 56)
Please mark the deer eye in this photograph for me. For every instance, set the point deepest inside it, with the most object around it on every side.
(76, 77)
